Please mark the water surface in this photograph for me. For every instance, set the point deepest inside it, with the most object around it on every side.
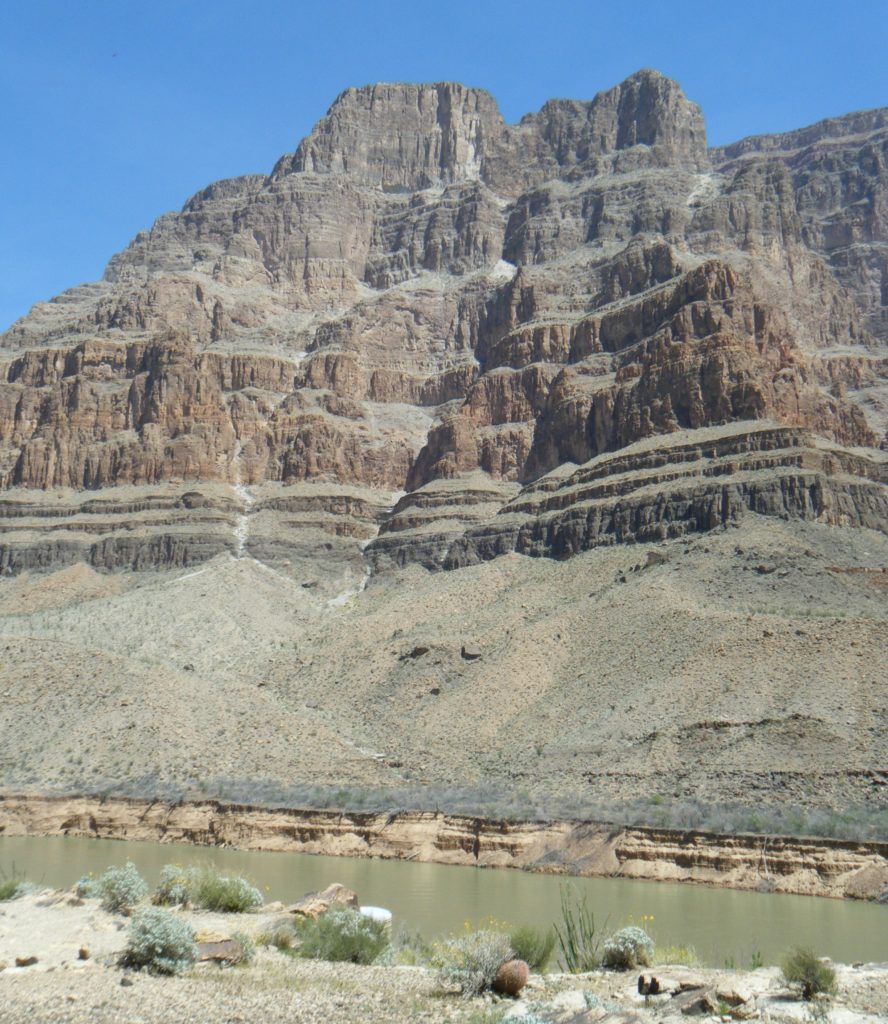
(721, 924)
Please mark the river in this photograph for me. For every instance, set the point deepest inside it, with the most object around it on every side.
(722, 925)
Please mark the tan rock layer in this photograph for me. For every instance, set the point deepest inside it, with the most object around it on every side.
(821, 867)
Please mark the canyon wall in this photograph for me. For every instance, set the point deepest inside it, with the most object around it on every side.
(423, 296)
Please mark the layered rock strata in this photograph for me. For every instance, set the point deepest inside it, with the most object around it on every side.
(821, 867)
(684, 483)
(425, 299)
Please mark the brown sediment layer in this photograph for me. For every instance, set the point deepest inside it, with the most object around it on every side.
(810, 866)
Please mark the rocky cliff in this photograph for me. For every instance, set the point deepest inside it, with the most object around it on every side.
(423, 293)
(431, 340)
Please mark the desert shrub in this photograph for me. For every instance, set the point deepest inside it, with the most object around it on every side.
(343, 934)
(406, 949)
(247, 945)
(87, 888)
(472, 960)
(12, 888)
(172, 889)
(8, 889)
(282, 935)
(576, 935)
(205, 888)
(594, 1002)
(806, 972)
(121, 889)
(533, 945)
(229, 894)
(629, 948)
(159, 942)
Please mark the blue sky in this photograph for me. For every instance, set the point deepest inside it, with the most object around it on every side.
(114, 112)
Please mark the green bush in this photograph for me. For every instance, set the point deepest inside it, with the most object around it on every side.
(12, 888)
(247, 945)
(576, 936)
(205, 888)
(87, 888)
(806, 972)
(627, 949)
(533, 945)
(120, 889)
(159, 942)
(406, 949)
(343, 934)
(172, 889)
(471, 961)
(229, 894)
(282, 935)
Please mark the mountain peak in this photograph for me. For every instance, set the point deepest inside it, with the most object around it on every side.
(408, 136)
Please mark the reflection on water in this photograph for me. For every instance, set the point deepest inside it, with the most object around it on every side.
(719, 923)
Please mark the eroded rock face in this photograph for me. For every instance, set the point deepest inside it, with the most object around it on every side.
(423, 294)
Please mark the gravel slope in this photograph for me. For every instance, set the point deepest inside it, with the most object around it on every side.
(746, 664)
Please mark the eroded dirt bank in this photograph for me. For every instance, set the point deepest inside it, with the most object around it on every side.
(820, 867)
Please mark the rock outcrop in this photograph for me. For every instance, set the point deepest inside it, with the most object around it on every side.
(425, 299)
(823, 867)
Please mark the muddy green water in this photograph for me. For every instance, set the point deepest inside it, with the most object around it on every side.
(722, 925)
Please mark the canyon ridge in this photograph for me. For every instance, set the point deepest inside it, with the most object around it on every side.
(535, 468)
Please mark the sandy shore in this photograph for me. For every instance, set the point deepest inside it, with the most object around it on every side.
(60, 988)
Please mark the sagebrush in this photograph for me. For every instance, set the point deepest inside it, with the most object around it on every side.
(207, 889)
(119, 889)
(628, 949)
(471, 961)
(159, 942)
(343, 934)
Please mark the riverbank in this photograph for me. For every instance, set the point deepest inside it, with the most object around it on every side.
(806, 866)
(63, 987)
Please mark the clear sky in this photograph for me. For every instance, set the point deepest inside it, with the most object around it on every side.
(114, 111)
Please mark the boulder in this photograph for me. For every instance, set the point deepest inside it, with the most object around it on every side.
(697, 1002)
(655, 985)
(469, 652)
(225, 951)
(511, 978)
(733, 996)
(25, 961)
(314, 904)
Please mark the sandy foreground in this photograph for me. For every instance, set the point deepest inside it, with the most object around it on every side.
(61, 988)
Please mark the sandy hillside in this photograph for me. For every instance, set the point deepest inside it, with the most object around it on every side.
(748, 664)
